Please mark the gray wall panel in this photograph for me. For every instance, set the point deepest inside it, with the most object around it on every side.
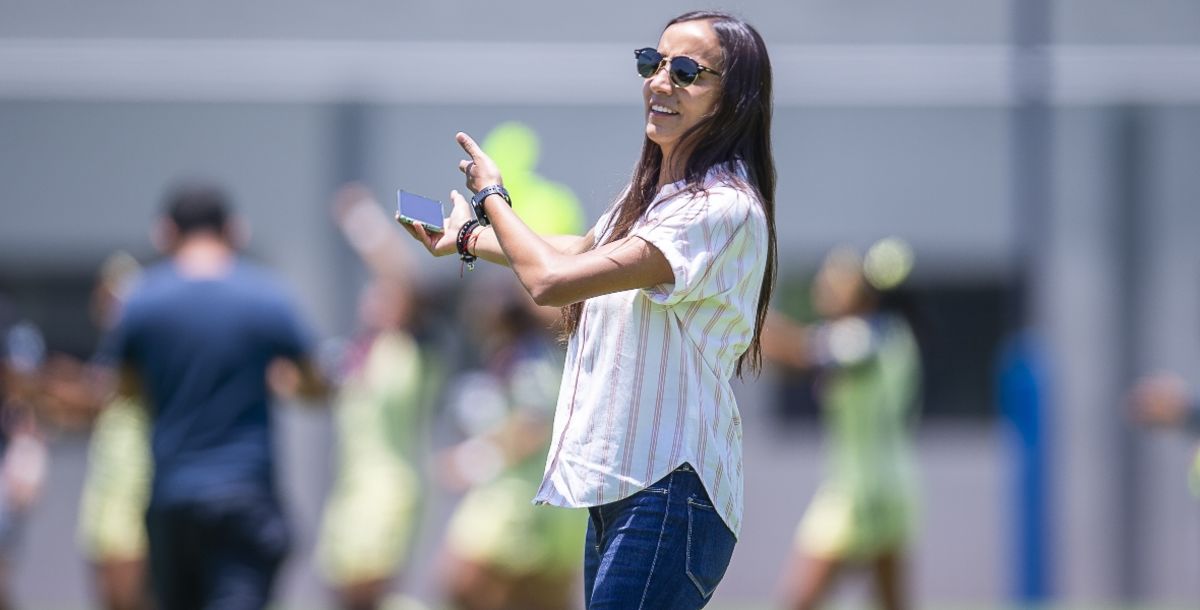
(923, 21)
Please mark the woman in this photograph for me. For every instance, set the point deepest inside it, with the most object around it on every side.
(665, 298)
(870, 367)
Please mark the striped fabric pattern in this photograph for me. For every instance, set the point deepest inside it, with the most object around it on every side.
(646, 385)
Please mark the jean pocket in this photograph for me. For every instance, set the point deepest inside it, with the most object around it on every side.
(709, 547)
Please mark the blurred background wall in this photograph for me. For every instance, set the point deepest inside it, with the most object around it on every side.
(891, 118)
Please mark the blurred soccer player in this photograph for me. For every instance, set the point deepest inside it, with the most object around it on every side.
(501, 552)
(370, 517)
(195, 341)
(112, 508)
(862, 515)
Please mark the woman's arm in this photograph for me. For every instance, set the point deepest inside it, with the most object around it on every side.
(550, 276)
(483, 242)
(485, 245)
(557, 271)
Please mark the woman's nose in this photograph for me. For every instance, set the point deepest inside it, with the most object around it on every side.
(661, 80)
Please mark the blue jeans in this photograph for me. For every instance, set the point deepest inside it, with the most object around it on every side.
(663, 548)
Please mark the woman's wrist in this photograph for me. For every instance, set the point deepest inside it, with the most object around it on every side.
(483, 196)
(462, 241)
(473, 240)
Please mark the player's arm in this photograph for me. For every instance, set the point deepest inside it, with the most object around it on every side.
(128, 382)
(364, 224)
(522, 436)
(313, 384)
(1164, 399)
(786, 342)
(299, 378)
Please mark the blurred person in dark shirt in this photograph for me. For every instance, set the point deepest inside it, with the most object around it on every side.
(196, 341)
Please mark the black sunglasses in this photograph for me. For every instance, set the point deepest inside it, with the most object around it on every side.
(683, 70)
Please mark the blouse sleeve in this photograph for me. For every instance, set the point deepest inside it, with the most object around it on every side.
(711, 240)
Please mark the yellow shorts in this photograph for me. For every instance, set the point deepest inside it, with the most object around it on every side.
(112, 511)
(368, 524)
(498, 525)
(839, 526)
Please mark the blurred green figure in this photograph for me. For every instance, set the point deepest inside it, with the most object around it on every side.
(501, 551)
(869, 388)
(116, 488)
(370, 517)
(548, 208)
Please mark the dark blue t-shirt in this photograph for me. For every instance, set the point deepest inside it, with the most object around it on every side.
(201, 348)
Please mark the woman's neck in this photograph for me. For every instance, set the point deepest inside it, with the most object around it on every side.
(672, 169)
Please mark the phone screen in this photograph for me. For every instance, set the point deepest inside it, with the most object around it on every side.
(417, 209)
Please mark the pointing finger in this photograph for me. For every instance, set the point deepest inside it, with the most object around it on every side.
(468, 145)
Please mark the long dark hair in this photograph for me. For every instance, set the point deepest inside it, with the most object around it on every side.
(738, 129)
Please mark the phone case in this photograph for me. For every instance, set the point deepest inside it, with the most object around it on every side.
(428, 227)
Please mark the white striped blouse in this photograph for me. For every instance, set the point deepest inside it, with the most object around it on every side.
(646, 386)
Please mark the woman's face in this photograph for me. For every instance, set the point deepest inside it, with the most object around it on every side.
(672, 111)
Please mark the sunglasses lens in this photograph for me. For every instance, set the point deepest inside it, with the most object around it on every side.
(684, 71)
(648, 61)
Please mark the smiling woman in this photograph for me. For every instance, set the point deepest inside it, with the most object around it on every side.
(664, 301)
(680, 97)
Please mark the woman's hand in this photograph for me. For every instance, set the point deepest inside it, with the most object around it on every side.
(441, 244)
(480, 170)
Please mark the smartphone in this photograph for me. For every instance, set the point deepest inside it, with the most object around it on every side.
(417, 210)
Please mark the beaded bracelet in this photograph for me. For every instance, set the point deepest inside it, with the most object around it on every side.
(460, 244)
